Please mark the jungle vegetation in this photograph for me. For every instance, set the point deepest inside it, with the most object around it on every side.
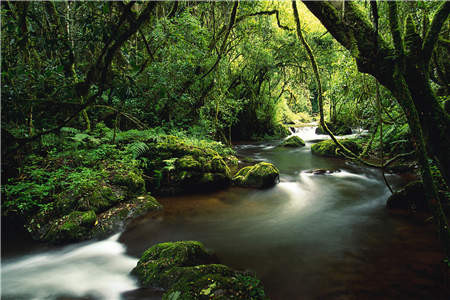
(85, 83)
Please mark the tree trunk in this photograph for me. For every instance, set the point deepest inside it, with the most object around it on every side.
(404, 70)
(374, 56)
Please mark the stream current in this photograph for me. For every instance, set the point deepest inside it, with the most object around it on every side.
(311, 236)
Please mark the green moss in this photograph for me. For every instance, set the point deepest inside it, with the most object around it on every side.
(72, 227)
(88, 218)
(132, 180)
(187, 271)
(207, 178)
(118, 216)
(100, 199)
(328, 147)
(243, 172)
(162, 257)
(65, 204)
(232, 161)
(219, 166)
(293, 141)
(184, 175)
(188, 162)
(213, 282)
(261, 175)
(337, 128)
(147, 203)
(281, 131)
(184, 168)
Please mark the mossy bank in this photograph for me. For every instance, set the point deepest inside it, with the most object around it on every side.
(88, 187)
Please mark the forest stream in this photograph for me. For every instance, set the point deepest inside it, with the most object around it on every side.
(312, 236)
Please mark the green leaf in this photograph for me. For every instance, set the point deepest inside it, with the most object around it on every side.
(174, 296)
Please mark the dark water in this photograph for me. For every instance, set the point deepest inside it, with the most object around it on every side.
(310, 237)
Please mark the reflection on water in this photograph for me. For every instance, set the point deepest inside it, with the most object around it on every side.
(310, 237)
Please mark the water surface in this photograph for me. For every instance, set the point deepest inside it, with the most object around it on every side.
(309, 237)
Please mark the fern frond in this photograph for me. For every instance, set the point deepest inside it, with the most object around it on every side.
(49, 140)
(137, 149)
(79, 137)
(70, 130)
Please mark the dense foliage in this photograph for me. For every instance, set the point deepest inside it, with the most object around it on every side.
(92, 87)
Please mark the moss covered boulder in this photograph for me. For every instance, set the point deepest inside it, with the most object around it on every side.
(261, 175)
(336, 128)
(213, 282)
(120, 215)
(328, 147)
(186, 270)
(281, 131)
(83, 225)
(155, 263)
(175, 167)
(132, 180)
(72, 227)
(293, 142)
(411, 197)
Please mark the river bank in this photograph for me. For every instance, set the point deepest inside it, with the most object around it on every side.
(309, 237)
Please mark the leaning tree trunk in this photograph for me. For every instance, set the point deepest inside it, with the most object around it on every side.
(404, 70)
(376, 57)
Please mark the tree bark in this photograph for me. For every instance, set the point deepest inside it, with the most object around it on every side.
(374, 56)
(404, 71)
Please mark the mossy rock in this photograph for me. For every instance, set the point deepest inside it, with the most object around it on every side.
(131, 180)
(188, 162)
(120, 215)
(261, 175)
(101, 199)
(336, 129)
(65, 203)
(293, 142)
(411, 197)
(328, 147)
(231, 161)
(160, 258)
(281, 131)
(213, 281)
(186, 270)
(84, 225)
(175, 167)
(73, 227)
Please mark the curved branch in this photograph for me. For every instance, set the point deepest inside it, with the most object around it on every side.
(103, 62)
(268, 12)
(356, 33)
(174, 10)
(433, 32)
(133, 119)
(346, 152)
(259, 13)
(395, 28)
(224, 43)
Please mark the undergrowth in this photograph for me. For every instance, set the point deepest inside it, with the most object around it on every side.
(77, 161)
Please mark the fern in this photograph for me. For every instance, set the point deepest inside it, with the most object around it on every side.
(137, 149)
(170, 164)
(79, 137)
(50, 140)
(69, 130)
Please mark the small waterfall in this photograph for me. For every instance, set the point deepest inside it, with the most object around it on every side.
(308, 133)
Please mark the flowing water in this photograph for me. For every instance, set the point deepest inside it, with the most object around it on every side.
(324, 236)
